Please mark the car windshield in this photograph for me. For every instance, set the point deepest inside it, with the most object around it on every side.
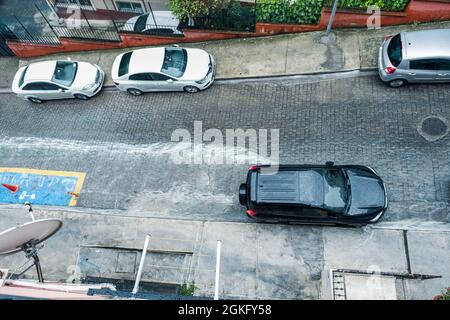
(394, 50)
(141, 23)
(175, 61)
(335, 190)
(65, 72)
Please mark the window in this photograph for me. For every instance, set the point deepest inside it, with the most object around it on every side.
(22, 77)
(335, 190)
(50, 86)
(33, 86)
(141, 77)
(175, 62)
(424, 64)
(65, 73)
(128, 6)
(124, 63)
(80, 3)
(394, 50)
(159, 77)
(141, 23)
(443, 64)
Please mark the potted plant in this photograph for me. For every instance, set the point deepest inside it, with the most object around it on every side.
(444, 296)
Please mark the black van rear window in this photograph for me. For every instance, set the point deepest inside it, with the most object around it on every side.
(394, 50)
(124, 64)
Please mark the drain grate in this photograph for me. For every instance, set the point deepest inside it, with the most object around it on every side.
(433, 128)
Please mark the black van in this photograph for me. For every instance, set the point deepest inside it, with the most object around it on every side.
(314, 194)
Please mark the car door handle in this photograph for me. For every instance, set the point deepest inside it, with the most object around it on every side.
(443, 74)
(412, 74)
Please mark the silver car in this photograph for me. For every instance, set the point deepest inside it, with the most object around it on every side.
(418, 56)
(50, 80)
(163, 69)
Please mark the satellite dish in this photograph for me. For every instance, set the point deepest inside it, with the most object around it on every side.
(25, 238)
(13, 239)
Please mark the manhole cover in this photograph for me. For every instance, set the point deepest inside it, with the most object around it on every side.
(433, 128)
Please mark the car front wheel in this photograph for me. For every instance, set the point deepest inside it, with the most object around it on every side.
(81, 96)
(35, 100)
(135, 92)
(191, 89)
(397, 83)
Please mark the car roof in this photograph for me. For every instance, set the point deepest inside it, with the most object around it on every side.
(40, 71)
(291, 187)
(427, 44)
(146, 60)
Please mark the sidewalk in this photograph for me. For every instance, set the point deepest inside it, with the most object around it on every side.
(303, 53)
(258, 260)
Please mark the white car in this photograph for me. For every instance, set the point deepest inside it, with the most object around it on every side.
(50, 80)
(158, 22)
(163, 69)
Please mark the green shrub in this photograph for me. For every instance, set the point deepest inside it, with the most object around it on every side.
(195, 8)
(289, 11)
(389, 5)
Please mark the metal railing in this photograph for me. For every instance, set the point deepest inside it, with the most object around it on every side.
(91, 33)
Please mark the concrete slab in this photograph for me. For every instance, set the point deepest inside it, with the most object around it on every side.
(9, 66)
(365, 249)
(373, 287)
(429, 253)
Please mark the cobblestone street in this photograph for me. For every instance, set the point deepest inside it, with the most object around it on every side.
(123, 143)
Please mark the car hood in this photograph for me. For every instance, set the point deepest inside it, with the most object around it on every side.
(367, 192)
(86, 74)
(197, 65)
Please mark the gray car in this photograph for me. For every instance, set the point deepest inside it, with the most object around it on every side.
(415, 57)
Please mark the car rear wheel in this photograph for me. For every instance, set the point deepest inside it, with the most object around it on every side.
(191, 89)
(81, 96)
(35, 100)
(135, 92)
(397, 83)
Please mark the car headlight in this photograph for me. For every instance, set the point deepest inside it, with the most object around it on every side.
(203, 80)
(89, 86)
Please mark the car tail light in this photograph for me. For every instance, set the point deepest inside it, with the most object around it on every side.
(252, 168)
(390, 70)
(251, 213)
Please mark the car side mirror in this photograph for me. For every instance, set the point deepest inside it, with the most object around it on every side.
(60, 90)
(169, 80)
(329, 163)
(175, 45)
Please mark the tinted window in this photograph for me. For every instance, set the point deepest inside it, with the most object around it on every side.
(33, 86)
(394, 50)
(175, 62)
(65, 72)
(124, 63)
(141, 77)
(159, 77)
(141, 23)
(443, 64)
(425, 64)
(22, 77)
(335, 190)
(49, 86)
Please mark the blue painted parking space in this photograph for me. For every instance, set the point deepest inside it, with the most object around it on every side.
(41, 187)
